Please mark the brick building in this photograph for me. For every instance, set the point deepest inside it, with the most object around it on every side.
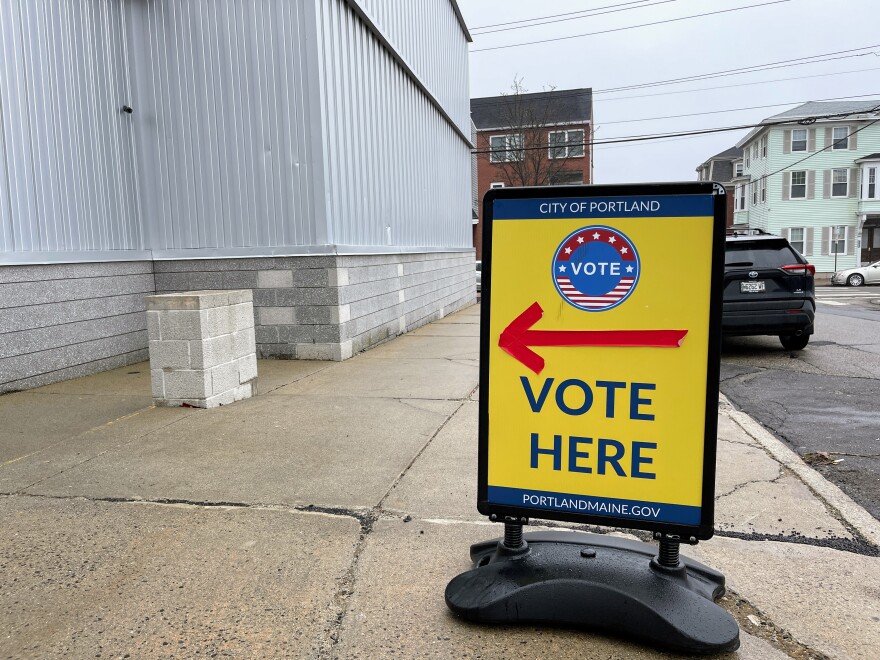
(541, 139)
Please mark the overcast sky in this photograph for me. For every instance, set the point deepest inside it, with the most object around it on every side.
(787, 30)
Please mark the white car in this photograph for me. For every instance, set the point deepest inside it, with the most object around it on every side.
(869, 274)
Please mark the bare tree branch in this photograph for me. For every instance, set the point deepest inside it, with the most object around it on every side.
(527, 157)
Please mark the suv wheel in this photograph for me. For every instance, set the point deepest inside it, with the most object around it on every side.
(855, 280)
(793, 342)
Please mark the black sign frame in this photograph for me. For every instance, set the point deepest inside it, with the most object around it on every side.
(705, 528)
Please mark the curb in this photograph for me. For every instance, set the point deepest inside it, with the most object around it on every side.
(849, 510)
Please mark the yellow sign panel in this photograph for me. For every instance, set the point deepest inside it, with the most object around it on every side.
(601, 360)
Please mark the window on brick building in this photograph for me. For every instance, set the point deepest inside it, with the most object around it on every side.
(566, 144)
(505, 148)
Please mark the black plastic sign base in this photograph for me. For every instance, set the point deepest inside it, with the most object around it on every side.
(596, 582)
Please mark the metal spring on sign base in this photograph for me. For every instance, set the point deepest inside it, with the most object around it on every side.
(668, 555)
(513, 535)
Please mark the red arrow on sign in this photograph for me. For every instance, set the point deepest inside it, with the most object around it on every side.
(518, 337)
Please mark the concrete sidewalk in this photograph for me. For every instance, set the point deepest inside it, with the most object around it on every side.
(323, 519)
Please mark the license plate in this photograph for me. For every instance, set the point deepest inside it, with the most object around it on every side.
(751, 287)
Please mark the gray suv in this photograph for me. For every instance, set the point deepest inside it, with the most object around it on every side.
(768, 289)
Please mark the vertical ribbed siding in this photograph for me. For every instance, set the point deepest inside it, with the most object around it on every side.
(223, 123)
(240, 112)
(66, 162)
(428, 36)
(397, 172)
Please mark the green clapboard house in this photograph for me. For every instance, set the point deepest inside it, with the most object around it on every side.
(810, 174)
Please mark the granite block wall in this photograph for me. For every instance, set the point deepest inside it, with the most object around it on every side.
(381, 303)
(61, 321)
(329, 307)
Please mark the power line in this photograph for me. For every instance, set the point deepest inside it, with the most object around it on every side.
(815, 153)
(751, 107)
(691, 137)
(752, 68)
(726, 129)
(757, 68)
(658, 141)
(574, 18)
(630, 27)
(569, 13)
(704, 131)
(746, 84)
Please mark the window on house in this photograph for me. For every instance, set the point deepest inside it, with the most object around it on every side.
(504, 148)
(739, 197)
(566, 144)
(799, 139)
(764, 147)
(796, 238)
(872, 182)
(837, 240)
(799, 185)
(748, 153)
(840, 137)
(763, 189)
(839, 179)
(738, 169)
(496, 184)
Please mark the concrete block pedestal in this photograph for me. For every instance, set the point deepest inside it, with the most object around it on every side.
(202, 347)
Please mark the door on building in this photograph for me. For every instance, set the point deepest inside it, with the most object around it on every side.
(871, 240)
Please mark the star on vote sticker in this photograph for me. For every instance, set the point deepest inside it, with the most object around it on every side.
(624, 250)
(561, 269)
(596, 236)
(567, 250)
(580, 239)
(629, 269)
(611, 239)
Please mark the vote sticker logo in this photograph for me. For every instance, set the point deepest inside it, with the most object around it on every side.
(596, 268)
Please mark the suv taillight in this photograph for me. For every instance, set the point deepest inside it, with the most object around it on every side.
(800, 269)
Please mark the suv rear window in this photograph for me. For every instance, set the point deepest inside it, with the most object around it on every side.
(759, 254)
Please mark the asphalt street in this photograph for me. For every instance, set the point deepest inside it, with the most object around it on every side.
(822, 401)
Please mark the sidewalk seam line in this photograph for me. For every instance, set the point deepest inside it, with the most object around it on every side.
(342, 596)
(99, 454)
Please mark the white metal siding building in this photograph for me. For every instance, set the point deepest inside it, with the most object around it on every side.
(315, 151)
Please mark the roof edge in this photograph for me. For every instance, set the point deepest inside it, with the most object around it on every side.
(461, 22)
(565, 92)
(548, 125)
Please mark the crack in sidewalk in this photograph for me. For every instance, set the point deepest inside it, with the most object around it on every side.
(342, 597)
(740, 486)
(750, 618)
(829, 507)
